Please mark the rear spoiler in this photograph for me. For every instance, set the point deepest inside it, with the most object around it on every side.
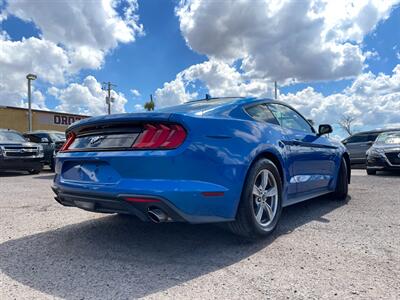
(119, 119)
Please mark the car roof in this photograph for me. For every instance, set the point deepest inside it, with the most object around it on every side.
(378, 131)
(213, 105)
(392, 131)
(9, 130)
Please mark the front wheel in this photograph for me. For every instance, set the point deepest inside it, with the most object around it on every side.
(342, 183)
(261, 201)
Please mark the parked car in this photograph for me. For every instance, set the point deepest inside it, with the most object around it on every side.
(51, 142)
(358, 144)
(234, 160)
(384, 153)
(16, 153)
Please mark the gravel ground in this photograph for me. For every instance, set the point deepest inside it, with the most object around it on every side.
(321, 249)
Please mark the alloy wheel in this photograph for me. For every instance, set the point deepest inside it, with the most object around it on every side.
(265, 198)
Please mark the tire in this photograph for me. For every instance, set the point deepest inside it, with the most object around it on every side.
(342, 184)
(52, 165)
(249, 223)
(34, 171)
(371, 172)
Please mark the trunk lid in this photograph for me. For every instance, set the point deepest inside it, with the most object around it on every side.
(151, 131)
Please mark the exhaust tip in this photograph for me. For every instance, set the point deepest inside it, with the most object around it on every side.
(157, 215)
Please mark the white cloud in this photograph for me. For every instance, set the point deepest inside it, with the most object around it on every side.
(138, 108)
(33, 55)
(372, 99)
(87, 98)
(135, 92)
(82, 27)
(74, 35)
(283, 40)
(219, 78)
(173, 93)
(251, 43)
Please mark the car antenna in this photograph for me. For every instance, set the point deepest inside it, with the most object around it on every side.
(208, 97)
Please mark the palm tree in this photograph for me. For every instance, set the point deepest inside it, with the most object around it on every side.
(149, 106)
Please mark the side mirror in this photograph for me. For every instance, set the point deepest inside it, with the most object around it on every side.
(44, 140)
(324, 129)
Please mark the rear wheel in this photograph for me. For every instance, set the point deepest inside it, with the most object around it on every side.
(342, 184)
(261, 201)
(371, 172)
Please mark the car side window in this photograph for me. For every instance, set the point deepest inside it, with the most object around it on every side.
(372, 137)
(261, 112)
(360, 138)
(289, 119)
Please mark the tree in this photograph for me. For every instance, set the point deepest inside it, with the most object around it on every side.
(347, 123)
(149, 106)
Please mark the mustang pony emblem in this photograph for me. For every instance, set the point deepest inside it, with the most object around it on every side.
(96, 139)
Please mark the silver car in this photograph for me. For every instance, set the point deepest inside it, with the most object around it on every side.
(359, 143)
(384, 153)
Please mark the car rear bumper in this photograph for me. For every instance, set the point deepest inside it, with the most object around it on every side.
(188, 200)
(103, 203)
(201, 186)
(357, 160)
(21, 163)
(173, 202)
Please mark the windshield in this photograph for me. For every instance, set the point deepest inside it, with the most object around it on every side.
(57, 137)
(11, 136)
(389, 138)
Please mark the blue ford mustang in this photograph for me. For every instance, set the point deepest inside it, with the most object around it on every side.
(234, 160)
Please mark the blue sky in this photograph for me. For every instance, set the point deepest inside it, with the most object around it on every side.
(169, 51)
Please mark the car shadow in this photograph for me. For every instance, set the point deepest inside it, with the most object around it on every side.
(13, 173)
(51, 176)
(394, 173)
(121, 257)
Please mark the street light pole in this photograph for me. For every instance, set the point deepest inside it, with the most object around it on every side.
(30, 78)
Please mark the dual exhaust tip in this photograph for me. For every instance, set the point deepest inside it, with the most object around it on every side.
(157, 215)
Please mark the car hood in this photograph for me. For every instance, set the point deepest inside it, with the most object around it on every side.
(19, 144)
(387, 146)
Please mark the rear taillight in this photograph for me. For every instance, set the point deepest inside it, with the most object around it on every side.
(70, 139)
(160, 136)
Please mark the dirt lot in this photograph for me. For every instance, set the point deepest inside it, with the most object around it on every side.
(321, 249)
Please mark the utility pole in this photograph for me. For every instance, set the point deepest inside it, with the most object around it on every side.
(276, 90)
(30, 78)
(107, 86)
